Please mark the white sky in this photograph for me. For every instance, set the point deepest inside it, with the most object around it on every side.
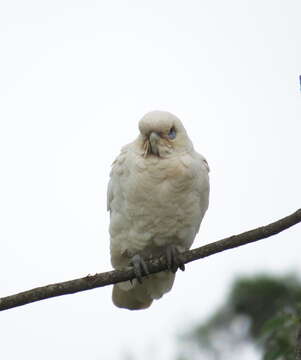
(75, 78)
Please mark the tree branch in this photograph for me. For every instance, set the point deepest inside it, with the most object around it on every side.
(157, 265)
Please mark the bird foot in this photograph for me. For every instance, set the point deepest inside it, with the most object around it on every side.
(174, 259)
(140, 267)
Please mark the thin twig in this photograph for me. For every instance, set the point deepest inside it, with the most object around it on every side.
(157, 265)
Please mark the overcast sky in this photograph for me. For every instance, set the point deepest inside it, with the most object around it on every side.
(75, 78)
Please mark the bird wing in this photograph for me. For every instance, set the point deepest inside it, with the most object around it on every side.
(116, 171)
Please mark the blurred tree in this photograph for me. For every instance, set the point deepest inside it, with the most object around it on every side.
(263, 311)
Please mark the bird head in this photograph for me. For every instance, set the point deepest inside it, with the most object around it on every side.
(162, 134)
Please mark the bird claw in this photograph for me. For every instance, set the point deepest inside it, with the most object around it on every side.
(174, 259)
(140, 267)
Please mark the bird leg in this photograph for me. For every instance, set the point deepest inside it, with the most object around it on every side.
(140, 267)
(174, 259)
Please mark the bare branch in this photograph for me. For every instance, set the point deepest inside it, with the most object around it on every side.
(157, 265)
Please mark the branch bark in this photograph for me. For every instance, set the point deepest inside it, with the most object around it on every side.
(157, 265)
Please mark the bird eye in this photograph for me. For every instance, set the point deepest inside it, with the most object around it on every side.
(172, 133)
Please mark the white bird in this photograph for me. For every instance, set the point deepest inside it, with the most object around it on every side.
(157, 196)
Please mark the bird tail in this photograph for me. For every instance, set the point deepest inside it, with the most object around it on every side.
(130, 299)
(137, 296)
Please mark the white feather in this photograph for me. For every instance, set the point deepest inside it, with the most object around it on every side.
(154, 201)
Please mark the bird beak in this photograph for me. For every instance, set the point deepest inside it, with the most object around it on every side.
(154, 140)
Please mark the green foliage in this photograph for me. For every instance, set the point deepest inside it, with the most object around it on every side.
(262, 310)
(260, 298)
